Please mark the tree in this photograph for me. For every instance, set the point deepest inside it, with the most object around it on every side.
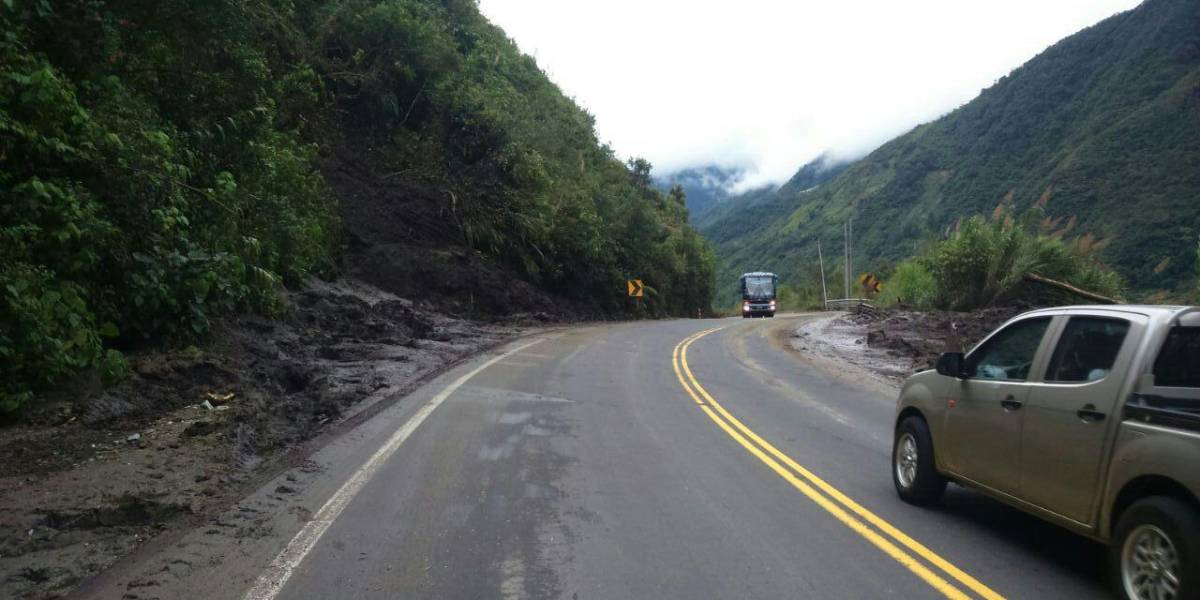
(678, 195)
(639, 172)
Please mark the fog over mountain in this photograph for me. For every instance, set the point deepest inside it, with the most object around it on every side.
(770, 86)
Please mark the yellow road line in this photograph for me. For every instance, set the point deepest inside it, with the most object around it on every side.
(740, 432)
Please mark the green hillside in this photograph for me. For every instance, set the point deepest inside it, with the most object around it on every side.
(1101, 130)
(165, 161)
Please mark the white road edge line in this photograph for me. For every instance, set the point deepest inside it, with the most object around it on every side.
(271, 582)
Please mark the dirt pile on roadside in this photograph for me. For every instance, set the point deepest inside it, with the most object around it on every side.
(94, 475)
(921, 336)
(894, 344)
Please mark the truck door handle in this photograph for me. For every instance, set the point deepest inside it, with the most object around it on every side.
(1089, 414)
(1010, 404)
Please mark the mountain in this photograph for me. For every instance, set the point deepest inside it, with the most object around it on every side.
(743, 208)
(705, 186)
(166, 163)
(1100, 131)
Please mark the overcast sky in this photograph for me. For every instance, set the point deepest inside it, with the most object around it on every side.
(769, 84)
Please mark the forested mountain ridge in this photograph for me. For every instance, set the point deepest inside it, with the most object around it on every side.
(744, 208)
(162, 162)
(1099, 131)
(706, 187)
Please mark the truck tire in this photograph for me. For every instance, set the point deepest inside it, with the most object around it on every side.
(1156, 548)
(913, 472)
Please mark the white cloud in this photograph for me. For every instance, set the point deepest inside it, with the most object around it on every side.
(770, 84)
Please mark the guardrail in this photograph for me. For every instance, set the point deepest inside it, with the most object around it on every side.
(854, 305)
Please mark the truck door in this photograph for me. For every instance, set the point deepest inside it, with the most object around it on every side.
(1067, 415)
(984, 422)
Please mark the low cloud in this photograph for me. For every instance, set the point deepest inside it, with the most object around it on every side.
(767, 86)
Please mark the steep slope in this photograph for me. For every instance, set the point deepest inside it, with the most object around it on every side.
(742, 207)
(165, 162)
(1100, 130)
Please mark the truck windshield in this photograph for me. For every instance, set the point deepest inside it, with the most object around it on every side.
(760, 287)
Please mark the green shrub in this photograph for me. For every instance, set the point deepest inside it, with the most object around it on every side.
(911, 285)
(133, 209)
(984, 263)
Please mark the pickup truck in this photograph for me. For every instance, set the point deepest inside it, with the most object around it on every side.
(1088, 417)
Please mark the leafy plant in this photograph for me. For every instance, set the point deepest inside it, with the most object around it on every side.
(128, 212)
(912, 285)
(986, 263)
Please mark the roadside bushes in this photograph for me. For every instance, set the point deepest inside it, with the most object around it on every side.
(127, 215)
(984, 263)
(912, 284)
(158, 166)
(447, 97)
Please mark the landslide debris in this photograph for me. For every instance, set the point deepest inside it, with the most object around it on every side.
(95, 474)
(897, 343)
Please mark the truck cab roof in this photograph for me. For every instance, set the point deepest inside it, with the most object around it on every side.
(1182, 315)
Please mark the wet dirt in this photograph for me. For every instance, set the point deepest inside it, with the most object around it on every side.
(404, 235)
(91, 475)
(893, 344)
(98, 475)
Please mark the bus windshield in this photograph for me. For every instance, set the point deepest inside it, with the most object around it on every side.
(760, 287)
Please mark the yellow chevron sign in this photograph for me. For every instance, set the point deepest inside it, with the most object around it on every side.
(635, 288)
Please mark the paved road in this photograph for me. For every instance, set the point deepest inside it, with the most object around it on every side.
(595, 463)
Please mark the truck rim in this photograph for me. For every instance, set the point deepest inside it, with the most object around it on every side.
(906, 460)
(1150, 565)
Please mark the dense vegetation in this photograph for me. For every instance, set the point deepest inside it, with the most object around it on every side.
(986, 263)
(1099, 130)
(159, 165)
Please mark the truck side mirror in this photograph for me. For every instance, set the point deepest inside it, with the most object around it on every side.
(950, 364)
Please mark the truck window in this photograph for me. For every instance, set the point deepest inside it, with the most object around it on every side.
(1087, 349)
(1178, 363)
(1009, 354)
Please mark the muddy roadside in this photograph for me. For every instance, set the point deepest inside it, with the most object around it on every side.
(887, 346)
(96, 474)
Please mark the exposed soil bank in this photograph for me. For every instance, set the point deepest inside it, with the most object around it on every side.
(405, 237)
(94, 475)
(893, 344)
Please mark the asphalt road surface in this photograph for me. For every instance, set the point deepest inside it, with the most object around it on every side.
(672, 459)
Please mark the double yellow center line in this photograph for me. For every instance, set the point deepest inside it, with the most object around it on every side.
(883, 535)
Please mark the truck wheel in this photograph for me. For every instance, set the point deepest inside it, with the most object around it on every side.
(1155, 551)
(913, 471)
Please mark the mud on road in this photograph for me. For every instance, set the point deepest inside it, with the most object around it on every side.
(96, 474)
(893, 344)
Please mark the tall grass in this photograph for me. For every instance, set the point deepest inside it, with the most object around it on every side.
(985, 263)
(911, 285)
